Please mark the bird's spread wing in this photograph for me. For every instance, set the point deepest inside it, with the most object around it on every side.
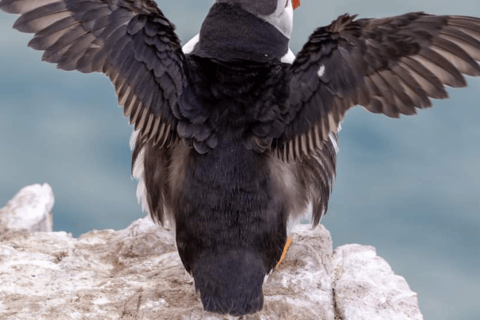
(389, 66)
(129, 41)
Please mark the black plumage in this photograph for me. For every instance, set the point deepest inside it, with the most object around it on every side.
(231, 139)
(390, 66)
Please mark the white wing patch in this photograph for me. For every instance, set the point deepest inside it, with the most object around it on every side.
(321, 71)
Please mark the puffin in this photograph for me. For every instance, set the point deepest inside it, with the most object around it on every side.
(236, 137)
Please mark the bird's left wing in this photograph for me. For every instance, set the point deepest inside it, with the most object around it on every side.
(130, 41)
(389, 66)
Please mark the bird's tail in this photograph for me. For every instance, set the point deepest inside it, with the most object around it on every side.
(230, 282)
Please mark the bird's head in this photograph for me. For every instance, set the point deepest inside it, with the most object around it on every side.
(247, 30)
(279, 13)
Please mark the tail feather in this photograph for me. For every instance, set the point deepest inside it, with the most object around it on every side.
(230, 283)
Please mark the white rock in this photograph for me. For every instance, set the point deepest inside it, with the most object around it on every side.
(136, 273)
(30, 209)
(367, 289)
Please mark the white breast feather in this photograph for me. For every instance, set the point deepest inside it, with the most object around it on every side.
(190, 45)
(138, 173)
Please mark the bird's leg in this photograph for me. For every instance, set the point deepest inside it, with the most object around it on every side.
(285, 249)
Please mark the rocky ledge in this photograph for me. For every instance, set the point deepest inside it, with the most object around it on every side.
(136, 273)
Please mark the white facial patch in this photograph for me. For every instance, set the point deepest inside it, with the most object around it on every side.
(282, 18)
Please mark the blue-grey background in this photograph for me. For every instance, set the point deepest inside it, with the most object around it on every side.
(409, 187)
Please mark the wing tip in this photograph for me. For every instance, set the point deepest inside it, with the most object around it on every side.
(8, 7)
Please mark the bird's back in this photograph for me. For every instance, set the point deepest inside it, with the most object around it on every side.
(224, 192)
(227, 198)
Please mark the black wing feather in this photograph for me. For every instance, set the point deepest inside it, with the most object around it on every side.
(130, 41)
(390, 66)
(133, 44)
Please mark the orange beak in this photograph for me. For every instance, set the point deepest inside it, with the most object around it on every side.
(296, 4)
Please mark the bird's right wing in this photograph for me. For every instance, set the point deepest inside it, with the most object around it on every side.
(130, 41)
